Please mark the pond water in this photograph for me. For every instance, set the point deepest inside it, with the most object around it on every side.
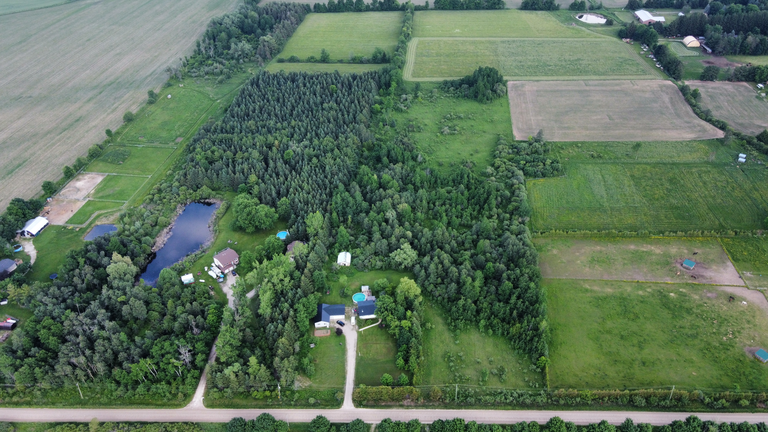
(99, 230)
(189, 232)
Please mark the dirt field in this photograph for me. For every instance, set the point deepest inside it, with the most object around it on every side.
(604, 111)
(735, 103)
(69, 72)
(63, 209)
(81, 186)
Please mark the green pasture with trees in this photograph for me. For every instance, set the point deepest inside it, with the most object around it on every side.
(608, 334)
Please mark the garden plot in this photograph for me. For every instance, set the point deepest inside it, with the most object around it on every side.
(604, 111)
(735, 103)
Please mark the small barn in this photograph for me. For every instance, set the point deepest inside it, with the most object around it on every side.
(326, 314)
(345, 259)
(691, 42)
(366, 309)
(761, 355)
(645, 17)
(7, 266)
(226, 260)
(688, 264)
(33, 227)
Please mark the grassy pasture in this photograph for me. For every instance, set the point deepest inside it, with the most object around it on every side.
(167, 119)
(605, 111)
(736, 103)
(749, 256)
(329, 356)
(376, 351)
(52, 245)
(755, 60)
(342, 68)
(639, 151)
(641, 259)
(608, 334)
(653, 197)
(471, 352)
(492, 24)
(49, 119)
(343, 34)
(526, 59)
(90, 207)
(118, 187)
(452, 130)
(140, 161)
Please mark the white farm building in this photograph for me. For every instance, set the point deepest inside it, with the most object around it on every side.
(691, 42)
(645, 17)
(345, 259)
(33, 227)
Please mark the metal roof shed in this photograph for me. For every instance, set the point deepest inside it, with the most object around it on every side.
(762, 355)
(688, 264)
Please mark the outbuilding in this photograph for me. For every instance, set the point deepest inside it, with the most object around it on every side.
(226, 260)
(345, 259)
(33, 227)
(688, 264)
(188, 279)
(762, 355)
(8, 324)
(645, 17)
(691, 42)
(326, 314)
(7, 266)
(366, 309)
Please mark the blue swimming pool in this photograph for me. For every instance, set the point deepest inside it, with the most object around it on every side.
(282, 235)
(358, 297)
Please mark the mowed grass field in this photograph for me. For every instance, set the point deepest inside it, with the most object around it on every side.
(735, 103)
(328, 357)
(682, 51)
(105, 55)
(89, 208)
(140, 161)
(344, 35)
(526, 59)
(342, 68)
(492, 24)
(167, 119)
(636, 259)
(604, 111)
(750, 256)
(608, 334)
(376, 350)
(118, 187)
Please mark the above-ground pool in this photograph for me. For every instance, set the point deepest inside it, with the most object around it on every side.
(17, 248)
(282, 235)
(358, 297)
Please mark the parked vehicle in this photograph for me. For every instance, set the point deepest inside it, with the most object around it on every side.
(341, 323)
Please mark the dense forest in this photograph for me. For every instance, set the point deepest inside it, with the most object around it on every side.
(359, 6)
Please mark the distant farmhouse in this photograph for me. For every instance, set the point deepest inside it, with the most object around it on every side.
(33, 227)
(645, 17)
(326, 314)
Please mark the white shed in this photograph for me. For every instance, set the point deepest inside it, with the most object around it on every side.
(188, 279)
(345, 259)
(33, 227)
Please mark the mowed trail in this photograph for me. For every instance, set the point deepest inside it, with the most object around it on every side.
(71, 71)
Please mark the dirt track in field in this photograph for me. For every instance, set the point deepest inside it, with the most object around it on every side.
(70, 72)
(736, 103)
(644, 110)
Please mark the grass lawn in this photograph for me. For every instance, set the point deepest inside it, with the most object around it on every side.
(345, 34)
(609, 334)
(682, 51)
(452, 130)
(329, 358)
(91, 207)
(342, 68)
(140, 161)
(735, 103)
(527, 59)
(52, 246)
(652, 197)
(645, 152)
(508, 23)
(641, 259)
(118, 187)
(355, 280)
(755, 60)
(376, 351)
(749, 256)
(471, 352)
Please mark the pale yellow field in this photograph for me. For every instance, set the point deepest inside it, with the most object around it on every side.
(69, 72)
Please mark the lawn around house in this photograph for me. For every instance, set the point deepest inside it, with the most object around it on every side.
(616, 335)
(52, 246)
(355, 280)
(376, 350)
(329, 358)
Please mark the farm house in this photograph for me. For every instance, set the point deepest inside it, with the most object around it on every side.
(645, 17)
(688, 264)
(33, 227)
(691, 42)
(226, 260)
(326, 314)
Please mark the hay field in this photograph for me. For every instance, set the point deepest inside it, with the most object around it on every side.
(736, 103)
(70, 72)
(605, 111)
(525, 59)
(345, 34)
(493, 24)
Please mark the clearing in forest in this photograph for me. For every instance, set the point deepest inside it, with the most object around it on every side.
(604, 111)
(640, 259)
(736, 103)
(106, 56)
(129, 159)
(344, 35)
(609, 334)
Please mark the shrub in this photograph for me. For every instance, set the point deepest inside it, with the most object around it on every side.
(386, 379)
(128, 117)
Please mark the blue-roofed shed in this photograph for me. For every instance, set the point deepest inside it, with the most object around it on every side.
(366, 309)
(688, 264)
(762, 355)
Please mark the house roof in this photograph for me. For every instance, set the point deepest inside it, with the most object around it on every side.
(644, 15)
(762, 355)
(35, 225)
(689, 263)
(326, 311)
(8, 265)
(367, 307)
(293, 244)
(226, 256)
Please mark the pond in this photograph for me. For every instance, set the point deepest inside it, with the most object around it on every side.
(189, 232)
(100, 230)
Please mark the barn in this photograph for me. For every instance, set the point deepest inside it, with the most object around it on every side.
(645, 17)
(691, 42)
(33, 227)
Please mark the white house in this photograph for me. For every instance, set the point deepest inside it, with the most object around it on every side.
(33, 227)
(345, 259)
(327, 314)
(226, 260)
(645, 17)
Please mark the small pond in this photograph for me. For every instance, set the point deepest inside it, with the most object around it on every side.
(100, 230)
(190, 231)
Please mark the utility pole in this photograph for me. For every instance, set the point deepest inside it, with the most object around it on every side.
(670, 393)
(278, 391)
(456, 395)
(78, 389)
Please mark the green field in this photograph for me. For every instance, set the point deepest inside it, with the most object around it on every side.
(524, 59)
(52, 246)
(329, 356)
(749, 256)
(683, 51)
(608, 335)
(451, 130)
(90, 207)
(342, 68)
(641, 259)
(118, 187)
(468, 352)
(141, 160)
(168, 119)
(648, 151)
(376, 351)
(344, 35)
(755, 60)
(652, 197)
(493, 24)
